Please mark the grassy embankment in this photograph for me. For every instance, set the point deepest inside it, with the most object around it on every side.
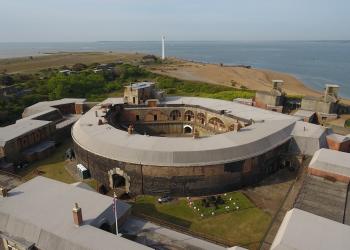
(244, 226)
(53, 167)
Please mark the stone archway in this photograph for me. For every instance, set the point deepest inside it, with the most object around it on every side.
(119, 172)
(188, 129)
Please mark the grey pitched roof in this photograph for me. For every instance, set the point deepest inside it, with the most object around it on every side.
(270, 130)
(40, 211)
(308, 138)
(301, 230)
(331, 161)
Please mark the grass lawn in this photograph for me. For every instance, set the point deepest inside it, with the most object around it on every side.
(244, 226)
(52, 167)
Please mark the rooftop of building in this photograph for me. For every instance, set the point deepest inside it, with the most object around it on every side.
(338, 138)
(268, 130)
(301, 230)
(331, 161)
(324, 198)
(47, 105)
(141, 85)
(40, 211)
(309, 130)
(13, 131)
(304, 113)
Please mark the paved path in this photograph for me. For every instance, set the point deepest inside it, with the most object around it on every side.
(159, 237)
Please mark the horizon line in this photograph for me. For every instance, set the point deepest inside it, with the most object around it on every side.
(223, 40)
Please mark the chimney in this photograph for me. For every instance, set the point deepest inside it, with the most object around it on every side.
(3, 191)
(77, 215)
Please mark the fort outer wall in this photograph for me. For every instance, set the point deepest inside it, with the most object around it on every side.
(182, 181)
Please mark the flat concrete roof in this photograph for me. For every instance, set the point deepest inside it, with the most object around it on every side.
(141, 85)
(13, 131)
(301, 230)
(45, 106)
(270, 130)
(40, 211)
(304, 113)
(331, 161)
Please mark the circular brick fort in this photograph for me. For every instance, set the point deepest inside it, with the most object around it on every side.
(146, 143)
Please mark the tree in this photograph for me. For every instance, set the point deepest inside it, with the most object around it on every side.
(6, 80)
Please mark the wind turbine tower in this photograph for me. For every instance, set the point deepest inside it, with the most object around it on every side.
(163, 47)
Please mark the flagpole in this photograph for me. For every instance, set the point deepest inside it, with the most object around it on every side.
(115, 214)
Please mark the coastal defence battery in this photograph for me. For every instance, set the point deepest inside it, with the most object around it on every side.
(327, 106)
(273, 99)
(181, 145)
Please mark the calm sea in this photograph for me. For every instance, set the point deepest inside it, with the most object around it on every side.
(314, 62)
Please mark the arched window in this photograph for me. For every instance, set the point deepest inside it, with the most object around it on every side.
(189, 115)
(201, 118)
(175, 115)
(216, 123)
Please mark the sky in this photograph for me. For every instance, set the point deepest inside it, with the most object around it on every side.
(183, 20)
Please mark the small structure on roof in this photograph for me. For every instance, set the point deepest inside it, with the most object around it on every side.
(330, 164)
(301, 230)
(138, 93)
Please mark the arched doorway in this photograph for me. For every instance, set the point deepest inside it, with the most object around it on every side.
(119, 179)
(188, 129)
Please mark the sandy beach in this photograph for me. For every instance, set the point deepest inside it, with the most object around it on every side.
(255, 79)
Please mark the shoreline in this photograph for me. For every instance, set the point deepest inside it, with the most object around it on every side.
(238, 76)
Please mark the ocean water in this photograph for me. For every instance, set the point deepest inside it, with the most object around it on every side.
(314, 62)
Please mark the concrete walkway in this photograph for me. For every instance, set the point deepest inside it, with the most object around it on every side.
(159, 237)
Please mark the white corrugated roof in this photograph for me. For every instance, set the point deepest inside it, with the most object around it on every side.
(301, 230)
(331, 161)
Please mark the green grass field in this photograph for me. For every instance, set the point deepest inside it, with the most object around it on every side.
(245, 226)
